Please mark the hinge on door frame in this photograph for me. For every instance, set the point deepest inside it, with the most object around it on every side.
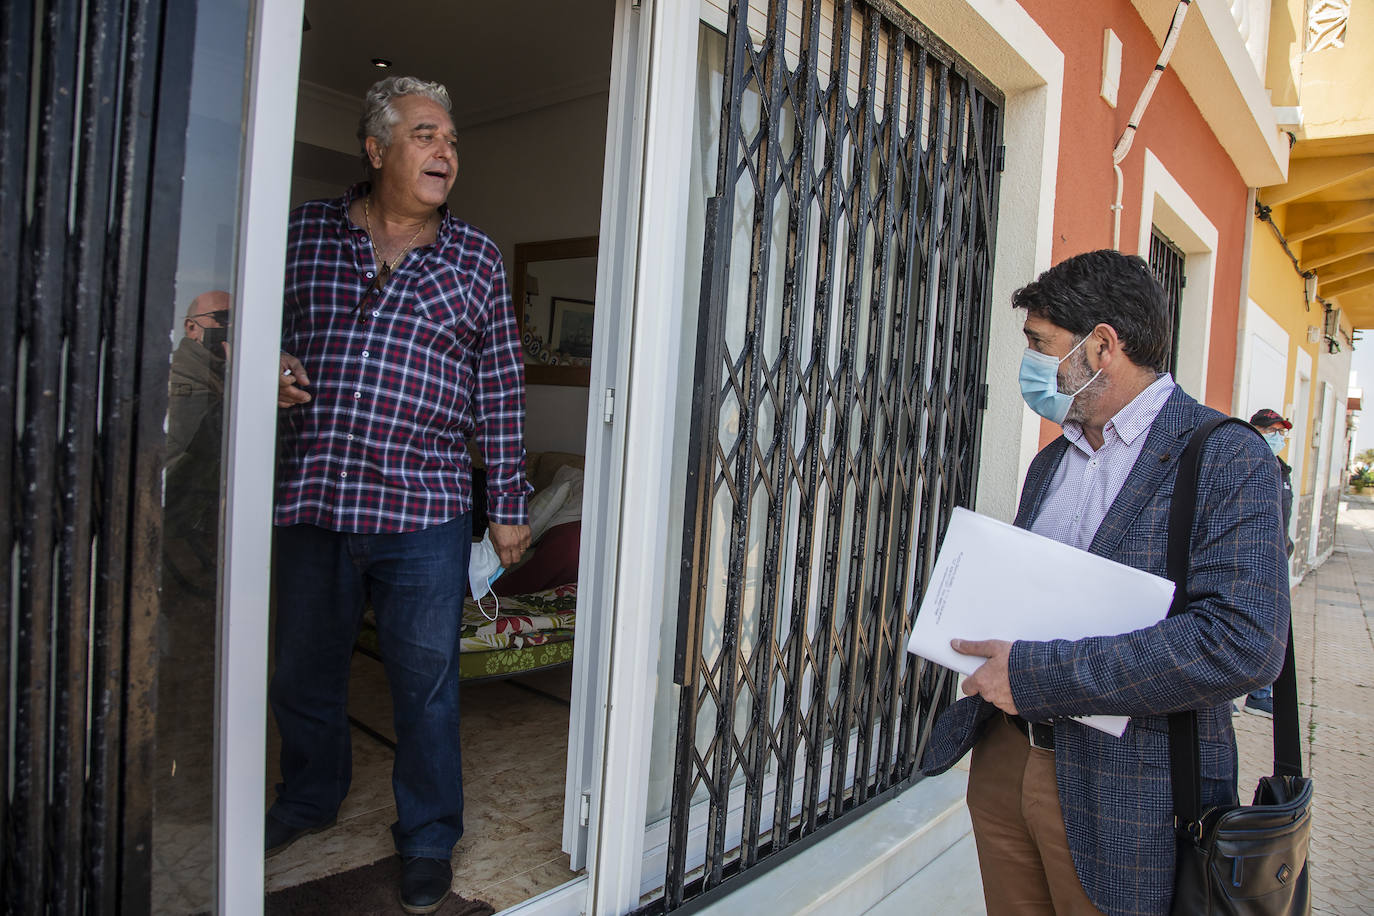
(1000, 160)
(608, 406)
(584, 809)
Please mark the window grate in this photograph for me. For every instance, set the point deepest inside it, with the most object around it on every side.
(836, 422)
(1168, 263)
(90, 185)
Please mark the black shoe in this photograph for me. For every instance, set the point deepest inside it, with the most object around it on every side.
(1260, 706)
(425, 883)
(278, 836)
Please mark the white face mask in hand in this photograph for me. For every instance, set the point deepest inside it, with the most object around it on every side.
(484, 568)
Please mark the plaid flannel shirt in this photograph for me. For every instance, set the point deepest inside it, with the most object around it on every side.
(400, 382)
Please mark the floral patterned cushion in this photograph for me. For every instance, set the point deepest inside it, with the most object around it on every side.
(522, 620)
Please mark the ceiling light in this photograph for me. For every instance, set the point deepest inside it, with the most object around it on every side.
(381, 63)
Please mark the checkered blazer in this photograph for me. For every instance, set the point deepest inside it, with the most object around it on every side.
(1115, 793)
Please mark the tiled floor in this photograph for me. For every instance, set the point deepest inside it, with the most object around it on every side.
(515, 743)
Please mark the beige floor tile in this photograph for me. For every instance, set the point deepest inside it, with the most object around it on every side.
(514, 746)
(349, 844)
(521, 887)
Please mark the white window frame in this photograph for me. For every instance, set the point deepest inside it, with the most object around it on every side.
(1166, 205)
(270, 132)
(251, 449)
(1300, 412)
(1326, 454)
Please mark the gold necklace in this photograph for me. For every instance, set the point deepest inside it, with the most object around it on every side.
(384, 269)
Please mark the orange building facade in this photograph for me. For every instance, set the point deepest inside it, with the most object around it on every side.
(1202, 207)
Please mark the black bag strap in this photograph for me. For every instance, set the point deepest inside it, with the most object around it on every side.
(1184, 748)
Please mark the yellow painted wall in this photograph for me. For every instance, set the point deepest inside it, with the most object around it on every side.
(1335, 91)
(1283, 72)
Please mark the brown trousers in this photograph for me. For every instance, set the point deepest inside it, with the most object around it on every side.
(1023, 851)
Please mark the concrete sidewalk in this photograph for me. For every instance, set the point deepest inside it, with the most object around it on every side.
(1332, 612)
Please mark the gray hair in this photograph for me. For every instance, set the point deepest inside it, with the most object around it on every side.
(379, 108)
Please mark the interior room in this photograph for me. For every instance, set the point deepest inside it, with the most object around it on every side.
(529, 85)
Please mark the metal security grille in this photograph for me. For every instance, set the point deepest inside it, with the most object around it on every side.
(836, 421)
(92, 127)
(1168, 263)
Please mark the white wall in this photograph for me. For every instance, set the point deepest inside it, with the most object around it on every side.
(1265, 363)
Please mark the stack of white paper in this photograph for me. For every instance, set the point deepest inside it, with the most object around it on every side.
(995, 581)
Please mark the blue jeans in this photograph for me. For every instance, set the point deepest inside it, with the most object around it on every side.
(416, 582)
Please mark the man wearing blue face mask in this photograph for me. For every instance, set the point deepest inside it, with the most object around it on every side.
(1069, 819)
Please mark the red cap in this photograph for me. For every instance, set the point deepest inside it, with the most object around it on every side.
(1267, 417)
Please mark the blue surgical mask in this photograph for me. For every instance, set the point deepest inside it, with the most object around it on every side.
(484, 568)
(1040, 384)
(1276, 441)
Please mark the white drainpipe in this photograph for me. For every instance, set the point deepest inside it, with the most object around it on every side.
(1123, 145)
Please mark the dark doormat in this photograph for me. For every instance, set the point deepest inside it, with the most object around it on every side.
(368, 891)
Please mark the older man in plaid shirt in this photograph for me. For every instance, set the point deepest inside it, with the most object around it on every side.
(398, 344)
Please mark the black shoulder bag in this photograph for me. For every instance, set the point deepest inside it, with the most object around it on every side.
(1246, 859)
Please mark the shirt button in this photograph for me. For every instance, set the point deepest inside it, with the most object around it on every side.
(365, 354)
(350, 437)
(375, 314)
(357, 394)
(343, 473)
(369, 275)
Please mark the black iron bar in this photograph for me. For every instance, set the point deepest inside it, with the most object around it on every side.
(930, 445)
(832, 406)
(773, 466)
(911, 396)
(1167, 263)
(176, 41)
(951, 312)
(746, 363)
(800, 393)
(81, 309)
(119, 324)
(859, 376)
(16, 29)
(887, 289)
(40, 307)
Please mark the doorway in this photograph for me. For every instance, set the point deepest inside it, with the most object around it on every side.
(530, 90)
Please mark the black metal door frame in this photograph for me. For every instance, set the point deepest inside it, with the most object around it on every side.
(92, 135)
(866, 454)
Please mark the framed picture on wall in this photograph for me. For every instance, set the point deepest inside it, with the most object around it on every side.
(554, 296)
(571, 321)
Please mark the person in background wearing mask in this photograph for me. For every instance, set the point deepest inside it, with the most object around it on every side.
(1274, 428)
(1068, 819)
(398, 344)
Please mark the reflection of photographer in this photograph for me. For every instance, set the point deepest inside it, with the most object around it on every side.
(195, 417)
(195, 390)
(190, 560)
